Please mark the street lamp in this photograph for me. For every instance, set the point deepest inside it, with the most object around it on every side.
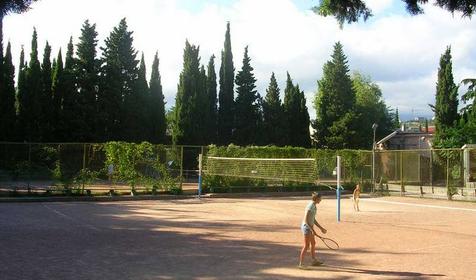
(374, 127)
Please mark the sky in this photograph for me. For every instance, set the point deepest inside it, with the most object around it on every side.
(399, 52)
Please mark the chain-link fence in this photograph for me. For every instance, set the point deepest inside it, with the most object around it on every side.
(80, 167)
(77, 168)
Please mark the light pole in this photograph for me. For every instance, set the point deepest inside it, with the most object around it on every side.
(374, 127)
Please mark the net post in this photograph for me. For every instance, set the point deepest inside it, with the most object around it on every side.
(200, 157)
(338, 189)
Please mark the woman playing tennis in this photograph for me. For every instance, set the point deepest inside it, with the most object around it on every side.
(307, 229)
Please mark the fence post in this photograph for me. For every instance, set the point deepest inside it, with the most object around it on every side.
(29, 167)
(431, 171)
(448, 177)
(181, 166)
(402, 186)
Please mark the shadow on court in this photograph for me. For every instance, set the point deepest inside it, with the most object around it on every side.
(397, 274)
(130, 241)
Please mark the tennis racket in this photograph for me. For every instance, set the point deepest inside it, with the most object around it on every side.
(330, 243)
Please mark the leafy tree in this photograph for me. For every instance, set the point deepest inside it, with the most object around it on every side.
(7, 99)
(226, 93)
(86, 71)
(296, 116)
(446, 105)
(212, 102)
(246, 106)
(370, 108)
(157, 105)
(273, 114)
(352, 10)
(334, 104)
(118, 78)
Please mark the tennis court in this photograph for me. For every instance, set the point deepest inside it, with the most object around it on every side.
(233, 238)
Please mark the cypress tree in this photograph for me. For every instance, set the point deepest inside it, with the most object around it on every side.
(212, 102)
(296, 116)
(57, 89)
(86, 71)
(34, 89)
(157, 121)
(7, 99)
(22, 99)
(119, 74)
(226, 93)
(273, 114)
(246, 106)
(446, 105)
(142, 95)
(334, 104)
(46, 97)
(187, 119)
(71, 129)
(396, 123)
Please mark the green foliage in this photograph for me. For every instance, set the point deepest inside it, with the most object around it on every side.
(156, 106)
(119, 74)
(370, 108)
(273, 115)
(352, 10)
(336, 118)
(191, 102)
(226, 93)
(446, 105)
(212, 115)
(296, 116)
(86, 72)
(138, 164)
(246, 105)
(7, 98)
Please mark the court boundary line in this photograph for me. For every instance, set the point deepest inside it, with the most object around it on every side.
(419, 205)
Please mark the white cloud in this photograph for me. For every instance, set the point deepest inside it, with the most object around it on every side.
(401, 53)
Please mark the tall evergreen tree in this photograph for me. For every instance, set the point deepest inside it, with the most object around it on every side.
(22, 99)
(142, 97)
(46, 98)
(57, 89)
(296, 116)
(212, 102)
(446, 105)
(334, 104)
(273, 114)
(7, 7)
(86, 71)
(396, 120)
(189, 93)
(7, 99)
(71, 128)
(34, 89)
(157, 122)
(246, 105)
(117, 96)
(226, 93)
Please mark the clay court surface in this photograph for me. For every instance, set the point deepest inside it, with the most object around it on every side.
(235, 238)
